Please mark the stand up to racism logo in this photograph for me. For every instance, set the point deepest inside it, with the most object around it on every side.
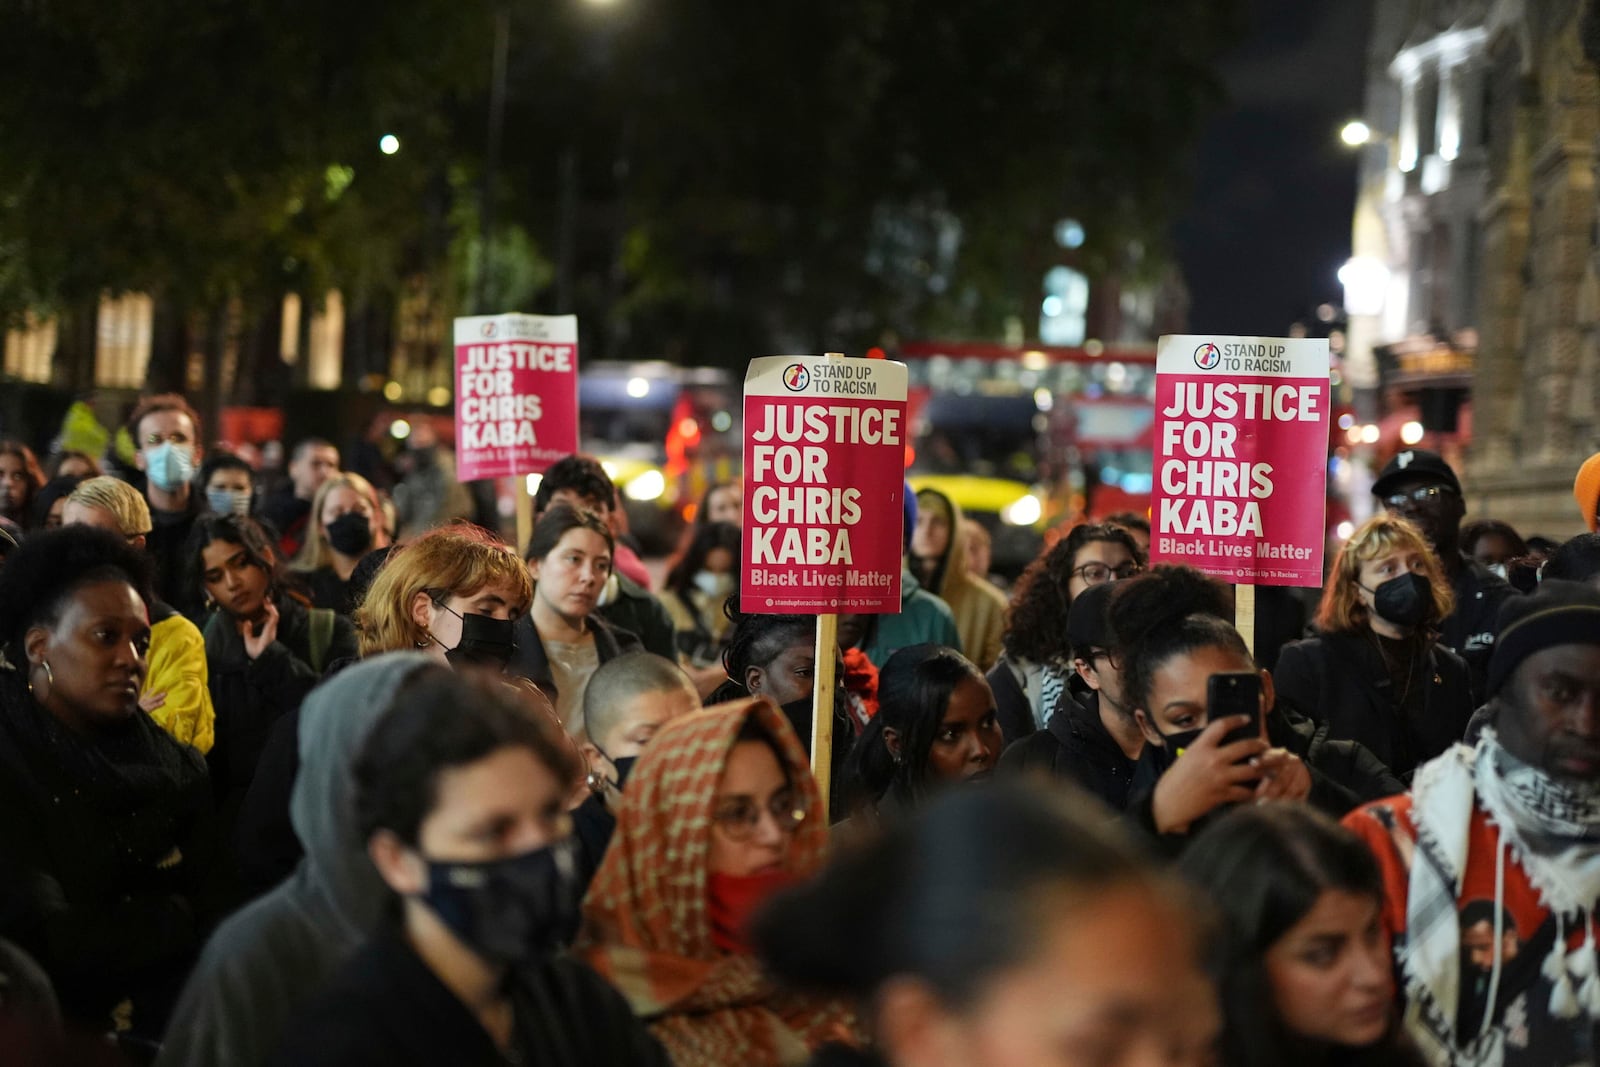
(796, 377)
(1207, 356)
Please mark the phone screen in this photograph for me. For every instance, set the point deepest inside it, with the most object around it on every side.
(1235, 693)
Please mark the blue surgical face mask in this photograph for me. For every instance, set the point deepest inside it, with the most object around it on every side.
(229, 501)
(169, 466)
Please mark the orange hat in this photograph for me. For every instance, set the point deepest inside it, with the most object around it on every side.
(1586, 490)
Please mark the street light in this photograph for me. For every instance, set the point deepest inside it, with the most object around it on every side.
(1356, 133)
(388, 144)
(1366, 283)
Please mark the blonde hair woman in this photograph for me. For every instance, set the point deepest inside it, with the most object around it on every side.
(346, 522)
(454, 593)
(1375, 672)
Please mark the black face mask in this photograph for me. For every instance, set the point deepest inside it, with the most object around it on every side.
(485, 641)
(512, 910)
(350, 534)
(1403, 599)
(1165, 755)
(624, 768)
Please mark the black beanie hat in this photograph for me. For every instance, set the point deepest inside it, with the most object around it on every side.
(1557, 613)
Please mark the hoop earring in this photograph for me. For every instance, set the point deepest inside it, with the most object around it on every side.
(49, 678)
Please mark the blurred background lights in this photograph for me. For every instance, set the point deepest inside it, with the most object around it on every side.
(638, 388)
(1411, 433)
(389, 144)
(400, 429)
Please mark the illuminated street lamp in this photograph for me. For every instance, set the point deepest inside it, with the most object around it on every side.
(1356, 133)
(1366, 283)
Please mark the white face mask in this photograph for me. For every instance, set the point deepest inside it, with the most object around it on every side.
(715, 586)
(1498, 569)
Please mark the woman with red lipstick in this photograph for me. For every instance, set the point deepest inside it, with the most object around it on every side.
(266, 647)
(720, 813)
(102, 814)
(936, 725)
(1306, 974)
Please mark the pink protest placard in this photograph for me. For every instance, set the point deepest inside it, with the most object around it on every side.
(516, 393)
(1241, 462)
(824, 485)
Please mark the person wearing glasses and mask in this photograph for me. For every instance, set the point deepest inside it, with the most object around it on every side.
(1374, 673)
(1420, 487)
(720, 813)
(1032, 677)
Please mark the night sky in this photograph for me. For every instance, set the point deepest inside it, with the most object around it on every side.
(1269, 221)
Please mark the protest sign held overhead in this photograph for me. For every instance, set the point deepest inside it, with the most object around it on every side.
(1241, 440)
(516, 393)
(824, 463)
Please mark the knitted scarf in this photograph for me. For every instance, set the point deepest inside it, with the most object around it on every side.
(646, 918)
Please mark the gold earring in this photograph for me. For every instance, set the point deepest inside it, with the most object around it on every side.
(49, 677)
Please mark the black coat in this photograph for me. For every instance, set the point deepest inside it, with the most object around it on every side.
(637, 611)
(386, 1008)
(1341, 680)
(1470, 630)
(104, 843)
(530, 662)
(251, 695)
(1076, 745)
(167, 545)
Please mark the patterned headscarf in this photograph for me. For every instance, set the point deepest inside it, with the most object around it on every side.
(646, 918)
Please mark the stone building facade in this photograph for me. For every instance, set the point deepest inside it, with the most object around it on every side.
(1478, 195)
(1538, 376)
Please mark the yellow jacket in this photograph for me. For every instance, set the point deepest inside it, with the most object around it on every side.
(178, 668)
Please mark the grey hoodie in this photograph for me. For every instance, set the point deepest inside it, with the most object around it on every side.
(263, 961)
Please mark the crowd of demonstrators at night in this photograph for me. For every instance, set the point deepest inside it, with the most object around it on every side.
(326, 772)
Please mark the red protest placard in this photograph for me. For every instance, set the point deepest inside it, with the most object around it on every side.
(1241, 462)
(824, 489)
(516, 393)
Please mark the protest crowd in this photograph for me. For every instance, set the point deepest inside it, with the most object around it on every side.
(318, 773)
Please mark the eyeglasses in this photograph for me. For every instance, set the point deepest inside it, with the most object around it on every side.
(738, 817)
(1423, 494)
(1105, 654)
(1095, 573)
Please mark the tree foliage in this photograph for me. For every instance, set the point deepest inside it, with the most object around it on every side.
(750, 176)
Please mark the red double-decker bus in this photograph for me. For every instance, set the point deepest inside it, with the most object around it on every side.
(1028, 438)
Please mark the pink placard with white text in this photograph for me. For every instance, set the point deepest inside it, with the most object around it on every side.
(516, 393)
(1241, 457)
(824, 485)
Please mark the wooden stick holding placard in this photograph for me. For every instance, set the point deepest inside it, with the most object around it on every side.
(524, 513)
(1244, 615)
(822, 707)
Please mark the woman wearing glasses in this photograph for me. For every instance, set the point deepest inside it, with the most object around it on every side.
(719, 814)
(1375, 672)
(1031, 678)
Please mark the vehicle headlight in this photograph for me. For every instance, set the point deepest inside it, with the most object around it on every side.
(648, 486)
(1024, 511)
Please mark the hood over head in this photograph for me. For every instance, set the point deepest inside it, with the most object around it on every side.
(952, 568)
(335, 721)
